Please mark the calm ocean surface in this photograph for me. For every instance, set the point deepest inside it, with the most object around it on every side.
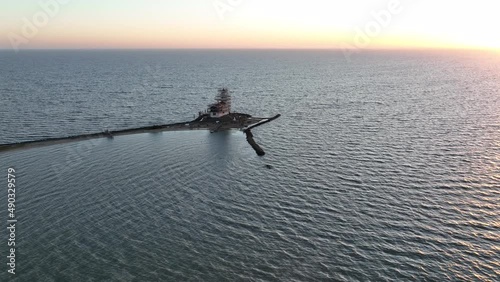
(385, 167)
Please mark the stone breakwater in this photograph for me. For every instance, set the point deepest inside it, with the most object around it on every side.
(203, 122)
(249, 134)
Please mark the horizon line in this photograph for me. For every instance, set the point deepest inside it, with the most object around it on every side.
(258, 49)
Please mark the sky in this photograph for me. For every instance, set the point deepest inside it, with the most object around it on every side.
(299, 24)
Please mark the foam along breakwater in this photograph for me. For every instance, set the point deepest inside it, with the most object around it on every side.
(203, 122)
(261, 122)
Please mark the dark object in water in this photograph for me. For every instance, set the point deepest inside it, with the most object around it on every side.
(269, 166)
(108, 134)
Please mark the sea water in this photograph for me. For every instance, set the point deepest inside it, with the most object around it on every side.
(383, 167)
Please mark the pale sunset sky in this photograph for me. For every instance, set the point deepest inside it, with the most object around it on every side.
(250, 24)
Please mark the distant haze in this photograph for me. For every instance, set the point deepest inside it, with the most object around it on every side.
(249, 24)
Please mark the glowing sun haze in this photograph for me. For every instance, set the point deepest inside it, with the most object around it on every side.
(251, 24)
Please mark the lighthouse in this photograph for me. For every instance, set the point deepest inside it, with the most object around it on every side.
(222, 106)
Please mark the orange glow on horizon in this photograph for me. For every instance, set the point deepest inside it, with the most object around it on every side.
(259, 24)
